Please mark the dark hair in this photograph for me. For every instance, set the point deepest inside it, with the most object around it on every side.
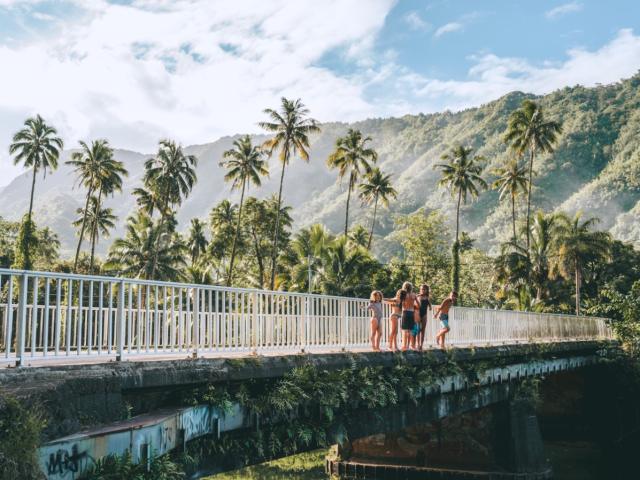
(425, 286)
(402, 294)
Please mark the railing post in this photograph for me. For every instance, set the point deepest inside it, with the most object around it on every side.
(345, 329)
(254, 323)
(305, 315)
(196, 322)
(22, 320)
(120, 320)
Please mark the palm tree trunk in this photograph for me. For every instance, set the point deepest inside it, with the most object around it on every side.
(26, 240)
(531, 156)
(455, 270)
(235, 238)
(94, 231)
(94, 240)
(458, 215)
(578, 285)
(373, 222)
(33, 189)
(513, 216)
(84, 224)
(346, 217)
(274, 253)
(163, 216)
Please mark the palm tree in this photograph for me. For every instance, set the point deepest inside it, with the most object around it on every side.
(543, 231)
(291, 127)
(352, 158)
(245, 166)
(345, 268)
(309, 246)
(48, 246)
(170, 177)
(36, 146)
(92, 165)
(197, 241)
(149, 250)
(512, 268)
(376, 187)
(528, 130)
(358, 236)
(575, 245)
(512, 179)
(107, 182)
(100, 220)
(461, 175)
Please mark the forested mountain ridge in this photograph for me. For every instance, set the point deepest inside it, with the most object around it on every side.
(595, 168)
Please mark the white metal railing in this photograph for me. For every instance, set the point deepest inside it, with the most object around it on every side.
(46, 315)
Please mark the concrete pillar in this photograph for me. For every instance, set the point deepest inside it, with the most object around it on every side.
(525, 452)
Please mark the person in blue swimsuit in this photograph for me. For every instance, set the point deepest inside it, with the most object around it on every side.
(442, 312)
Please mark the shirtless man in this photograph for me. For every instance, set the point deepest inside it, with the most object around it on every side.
(442, 312)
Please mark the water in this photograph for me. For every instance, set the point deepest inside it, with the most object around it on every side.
(574, 460)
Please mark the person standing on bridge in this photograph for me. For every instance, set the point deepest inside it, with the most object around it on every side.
(375, 307)
(396, 314)
(442, 312)
(409, 319)
(425, 305)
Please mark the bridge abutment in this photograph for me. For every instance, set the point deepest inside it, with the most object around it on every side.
(501, 441)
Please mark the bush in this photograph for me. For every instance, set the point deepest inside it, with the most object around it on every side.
(20, 429)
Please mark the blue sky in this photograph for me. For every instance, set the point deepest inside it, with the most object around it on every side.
(139, 70)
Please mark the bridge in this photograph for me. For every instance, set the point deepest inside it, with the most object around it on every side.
(112, 360)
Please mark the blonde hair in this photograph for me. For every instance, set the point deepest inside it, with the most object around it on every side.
(374, 294)
(407, 287)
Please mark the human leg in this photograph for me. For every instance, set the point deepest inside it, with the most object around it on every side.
(374, 331)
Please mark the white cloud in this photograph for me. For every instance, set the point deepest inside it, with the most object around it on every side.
(194, 70)
(492, 76)
(448, 28)
(563, 9)
(153, 69)
(416, 22)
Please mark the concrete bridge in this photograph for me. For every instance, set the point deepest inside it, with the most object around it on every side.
(111, 361)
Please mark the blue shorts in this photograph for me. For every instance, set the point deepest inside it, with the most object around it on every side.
(444, 320)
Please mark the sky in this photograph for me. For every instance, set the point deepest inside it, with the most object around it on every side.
(194, 70)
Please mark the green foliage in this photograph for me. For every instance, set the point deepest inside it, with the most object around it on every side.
(529, 390)
(25, 244)
(424, 236)
(624, 309)
(20, 429)
(114, 467)
(150, 250)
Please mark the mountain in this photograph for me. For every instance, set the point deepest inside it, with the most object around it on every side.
(595, 168)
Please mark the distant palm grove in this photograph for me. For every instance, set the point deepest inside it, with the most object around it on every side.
(552, 261)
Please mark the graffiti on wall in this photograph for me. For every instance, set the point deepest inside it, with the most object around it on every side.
(65, 463)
